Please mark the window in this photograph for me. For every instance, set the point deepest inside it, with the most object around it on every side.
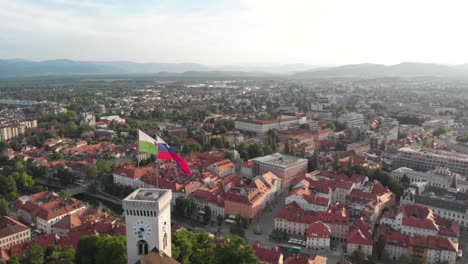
(165, 241)
(142, 247)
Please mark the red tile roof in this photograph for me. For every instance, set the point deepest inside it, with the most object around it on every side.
(267, 255)
(72, 238)
(361, 232)
(134, 172)
(9, 226)
(318, 230)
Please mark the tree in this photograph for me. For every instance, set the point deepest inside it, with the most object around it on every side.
(85, 251)
(35, 255)
(278, 235)
(380, 246)
(111, 250)
(65, 176)
(105, 249)
(331, 126)
(3, 145)
(92, 176)
(207, 215)
(13, 260)
(65, 193)
(441, 130)
(268, 150)
(315, 161)
(23, 180)
(350, 161)
(230, 156)
(4, 207)
(184, 206)
(54, 253)
(357, 257)
(234, 251)
(405, 181)
(403, 259)
(105, 170)
(304, 126)
(9, 190)
(38, 171)
(383, 145)
(303, 151)
(71, 129)
(336, 162)
(194, 248)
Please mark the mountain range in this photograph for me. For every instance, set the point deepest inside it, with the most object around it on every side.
(21, 67)
(405, 69)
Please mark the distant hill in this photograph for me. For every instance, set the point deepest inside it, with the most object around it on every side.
(21, 67)
(405, 69)
(15, 67)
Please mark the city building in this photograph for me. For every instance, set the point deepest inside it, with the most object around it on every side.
(370, 201)
(439, 177)
(389, 128)
(261, 127)
(268, 256)
(411, 219)
(360, 237)
(359, 147)
(426, 249)
(223, 168)
(12, 128)
(286, 167)
(312, 259)
(318, 236)
(352, 120)
(130, 175)
(447, 203)
(425, 159)
(213, 200)
(292, 219)
(307, 199)
(12, 232)
(148, 222)
(44, 209)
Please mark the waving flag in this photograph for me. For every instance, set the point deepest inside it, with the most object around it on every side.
(146, 143)
(161, 149)
(167, 153)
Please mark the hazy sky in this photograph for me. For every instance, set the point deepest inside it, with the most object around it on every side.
(236, 31)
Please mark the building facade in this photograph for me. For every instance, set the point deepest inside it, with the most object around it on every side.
(425, 159)
(148, 222)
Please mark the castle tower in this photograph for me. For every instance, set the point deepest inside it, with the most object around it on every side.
(148, 222)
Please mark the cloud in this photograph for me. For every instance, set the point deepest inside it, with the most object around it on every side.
(243, 31)
(85, 4)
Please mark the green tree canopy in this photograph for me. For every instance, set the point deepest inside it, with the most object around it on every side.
(105, 249)
(4, 207)
(35, 255)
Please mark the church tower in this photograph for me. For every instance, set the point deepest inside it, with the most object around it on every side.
(148, 222)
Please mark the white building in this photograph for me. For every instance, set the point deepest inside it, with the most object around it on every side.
(148, 222)
(318, 236)
(214, 201)
(439, 177)
(351, 120)
(261, 127)
(308, 200)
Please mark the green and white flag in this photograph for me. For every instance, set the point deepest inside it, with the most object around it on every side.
(146, 143)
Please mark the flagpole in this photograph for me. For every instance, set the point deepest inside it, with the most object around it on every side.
(156, 167)
(138, 158)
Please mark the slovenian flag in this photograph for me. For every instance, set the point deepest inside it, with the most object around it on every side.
(161, 149)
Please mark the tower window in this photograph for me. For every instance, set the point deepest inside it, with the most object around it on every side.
(165, 241)
(142, 247)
